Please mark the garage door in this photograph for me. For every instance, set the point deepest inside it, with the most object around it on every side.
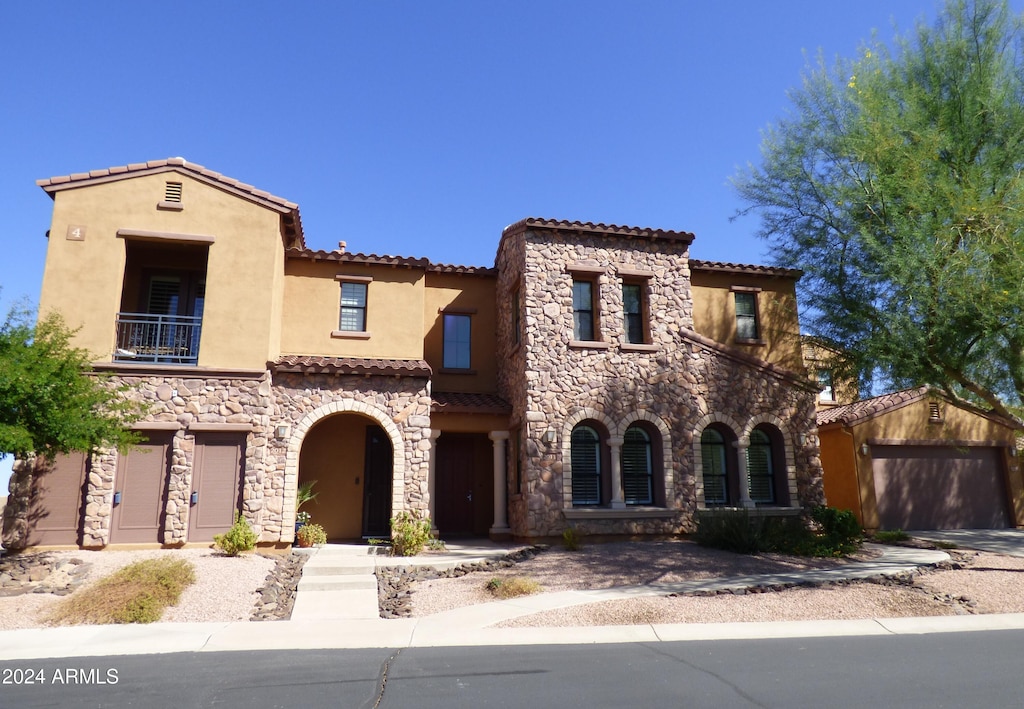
(55, 514)
(216, 479)
(140, 491)
(939, 487)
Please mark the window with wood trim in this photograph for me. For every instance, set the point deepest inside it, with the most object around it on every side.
(353, 306)
(747, 326)
(634, 312)
(584, 311)
(457, 341)
(586, 466)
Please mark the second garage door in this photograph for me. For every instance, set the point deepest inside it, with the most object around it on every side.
(939, 487)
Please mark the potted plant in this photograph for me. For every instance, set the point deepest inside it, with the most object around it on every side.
(310, 535)
(304, 494)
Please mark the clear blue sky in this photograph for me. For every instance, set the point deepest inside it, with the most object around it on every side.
(417, 128)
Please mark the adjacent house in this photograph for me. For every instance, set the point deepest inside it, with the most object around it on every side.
(913, 459)
(594, 376)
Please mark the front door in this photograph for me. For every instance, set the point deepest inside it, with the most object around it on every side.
(139, 492)
(216, 482)
(377, 474)
(455, 471)
(55, 512)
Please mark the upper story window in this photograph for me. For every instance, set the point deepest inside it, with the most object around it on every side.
(827, 390)
(634, 309)
(352, 315)
(584, 320)
(747, 325)
(457, 341)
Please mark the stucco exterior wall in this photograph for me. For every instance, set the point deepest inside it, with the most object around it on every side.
(468, 294)
(83, 279)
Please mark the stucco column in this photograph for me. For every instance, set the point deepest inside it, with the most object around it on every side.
(615, 443)
(500, 525)
(741, 455)
(432, 479)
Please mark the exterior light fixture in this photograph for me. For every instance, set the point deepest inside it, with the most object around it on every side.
(864, 448)
(549, 436)
(282, 431)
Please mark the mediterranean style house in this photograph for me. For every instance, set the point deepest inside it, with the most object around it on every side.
(594, 377)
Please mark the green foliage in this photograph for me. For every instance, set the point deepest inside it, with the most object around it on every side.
(512, 587)
(138, 593)
(890, 536)
(50, 402)
(409, 533)
(832, 532)
(305, 494)
(572, 539)
(895, 185)
(237, 539)
(311, 535)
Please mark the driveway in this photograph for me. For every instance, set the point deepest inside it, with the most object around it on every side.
(998, 541)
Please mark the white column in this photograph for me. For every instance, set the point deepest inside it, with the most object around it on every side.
(432, 479)
(741, 454)
(615, 443)
(500, 526)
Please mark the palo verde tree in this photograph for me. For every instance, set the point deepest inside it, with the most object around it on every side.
(897, 184)
(49, 402)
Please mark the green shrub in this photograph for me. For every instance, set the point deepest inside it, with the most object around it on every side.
(832, 532)
(310, 535)
(891, 536)
(840, 532)
(572, 538)
(237, 539)
(409, 533)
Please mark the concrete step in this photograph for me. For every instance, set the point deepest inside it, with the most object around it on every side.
(331, 567)
(335, 605)
(339, 582)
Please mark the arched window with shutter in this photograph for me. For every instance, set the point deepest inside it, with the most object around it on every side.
(637, 469)
(760, 468)
(586, 466)
(712, 446)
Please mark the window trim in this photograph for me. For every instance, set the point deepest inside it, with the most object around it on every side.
(595, 312)
(647, 443)
(365, 281)
(771, 465)
(599, 462)
(755, 317)
(641, 284)
(466, 313)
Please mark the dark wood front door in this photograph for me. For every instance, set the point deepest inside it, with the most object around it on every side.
(216, 483)
(377, 484)
(55, 512)
(140, 489)
(455, 474)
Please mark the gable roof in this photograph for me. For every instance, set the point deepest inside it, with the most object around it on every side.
(291, 222)
(860, 411)
(384, 260)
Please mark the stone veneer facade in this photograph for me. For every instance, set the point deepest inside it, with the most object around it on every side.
(254, 405)
(676, 382)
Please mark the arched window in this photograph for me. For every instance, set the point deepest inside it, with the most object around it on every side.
(586, 466)
(760, 468)
(637, 470)
(712, 447)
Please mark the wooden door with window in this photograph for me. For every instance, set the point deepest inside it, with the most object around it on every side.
(216, 484)
(377, 484)
(140, 492)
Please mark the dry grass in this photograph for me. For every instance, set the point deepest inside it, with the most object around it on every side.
(512, 587)
(138, 593)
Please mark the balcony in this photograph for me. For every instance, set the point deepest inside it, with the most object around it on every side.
(163, 339)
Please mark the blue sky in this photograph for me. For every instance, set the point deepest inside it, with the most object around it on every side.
(417, 128)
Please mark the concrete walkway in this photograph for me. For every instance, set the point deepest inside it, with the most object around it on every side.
(314, 629)
(998, 541)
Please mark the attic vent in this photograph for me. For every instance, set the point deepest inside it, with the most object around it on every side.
(934, 415)
(172, 192)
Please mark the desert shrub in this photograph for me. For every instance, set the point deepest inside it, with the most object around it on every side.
(311, 534)
(839, 533)
(512, 587)
(572, 539)
(138, 593)
(832, 532)
(237, 539)
(409, 533)
(890, 536)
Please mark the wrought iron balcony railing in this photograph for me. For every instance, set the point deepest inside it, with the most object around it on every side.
(167, 339)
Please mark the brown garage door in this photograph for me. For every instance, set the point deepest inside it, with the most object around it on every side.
(939, 487)
(55, 514)
(139, 492)
(216, 478)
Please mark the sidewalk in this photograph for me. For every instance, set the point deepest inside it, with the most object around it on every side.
(469, 626)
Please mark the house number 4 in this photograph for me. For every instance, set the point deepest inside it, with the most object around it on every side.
(76, 233)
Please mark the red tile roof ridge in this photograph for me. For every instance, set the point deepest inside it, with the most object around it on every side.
(388, 260)
(610, 229)
(726, 267)
(320, 364)
(849, 414)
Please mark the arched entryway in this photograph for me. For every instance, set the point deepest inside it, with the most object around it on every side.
(352, 459)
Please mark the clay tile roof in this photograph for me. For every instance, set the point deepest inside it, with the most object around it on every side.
(384, 260)
(314, 364)
(289, 210)
(449, 402)
(742, 268)
(592, 228)
(858, 411)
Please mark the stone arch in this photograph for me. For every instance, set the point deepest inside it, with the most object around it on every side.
(789, 445)
(342, 406)
(584, 413)
(667, 462)
(698, 453)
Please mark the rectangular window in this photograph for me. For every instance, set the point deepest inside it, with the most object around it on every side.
(746, 315)
(353, 307)
(827, 391)
(633, 313)
(456, 341)
(583, 321)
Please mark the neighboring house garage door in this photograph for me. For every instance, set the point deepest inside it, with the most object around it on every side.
(55, 514)
(939, 487)
(216, 485)
(140, 492)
